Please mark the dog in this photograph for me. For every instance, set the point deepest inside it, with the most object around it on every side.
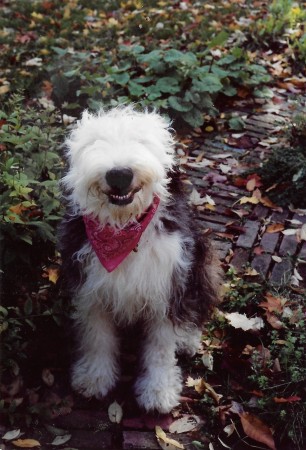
(132, 254)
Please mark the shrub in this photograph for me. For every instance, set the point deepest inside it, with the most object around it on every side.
(285, 170)
(30, 210)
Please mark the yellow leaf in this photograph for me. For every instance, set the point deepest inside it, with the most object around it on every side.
(165, 442)
(209, 129)
(37, 16)
(253, 200)
(26, 443)
(4, 89)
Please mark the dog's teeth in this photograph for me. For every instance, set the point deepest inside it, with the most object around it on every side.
(122, 197)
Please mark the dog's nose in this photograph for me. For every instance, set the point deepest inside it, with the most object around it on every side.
(119, 178)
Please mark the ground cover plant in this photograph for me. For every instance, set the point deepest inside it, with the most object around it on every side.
(192, 61)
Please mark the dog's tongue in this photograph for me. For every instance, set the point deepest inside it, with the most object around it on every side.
(111, 245)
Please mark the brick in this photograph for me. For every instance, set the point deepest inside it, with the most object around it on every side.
(280, 217)
(140, 440)
(248, 238)
(260, 212)
(281, 272)
(261, 263)
(240, 259)
(288, 245)
(89, 440)
(84, 420)
(222, 248)
(269, 242)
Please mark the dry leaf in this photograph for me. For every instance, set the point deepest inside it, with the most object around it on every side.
(165, 442)
(59, 440)
(254, 200)
(292, 399)
(276, 258)
(303, 232)
(208, 360)
(251, 184)
(26, 443)
(184, 424)
(196, 199)
(47, 377)
(257, 430)
(115, 412)
(242, 321)
(275, 227)
(10, 435)
(289, 231)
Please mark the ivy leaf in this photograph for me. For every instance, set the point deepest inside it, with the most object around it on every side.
(168, 85)
(207, 83)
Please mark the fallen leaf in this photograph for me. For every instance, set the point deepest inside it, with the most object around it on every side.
(303, 232)
(115, 412)
(196, 199)
(165, 442)
(254, 200)
(242, 321)
(276, 258)
(184, 424)
(10, 435)
(47, 377)
(59, 440)
(208, 360)
(251, 272)
(272, 303)
(257, 430)
(292, 399)
(26, 443)
(289, 231)
(275, 227)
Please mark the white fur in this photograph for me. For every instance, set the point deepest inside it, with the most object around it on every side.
(140, 288)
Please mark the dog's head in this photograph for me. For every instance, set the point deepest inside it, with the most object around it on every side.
(118, 161)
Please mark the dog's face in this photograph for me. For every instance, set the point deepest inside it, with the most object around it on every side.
(118, 161)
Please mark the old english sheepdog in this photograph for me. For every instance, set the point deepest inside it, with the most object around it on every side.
(132, 254)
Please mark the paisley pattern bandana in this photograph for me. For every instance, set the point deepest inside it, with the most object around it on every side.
(111, 245)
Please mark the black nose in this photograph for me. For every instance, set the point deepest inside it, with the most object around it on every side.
(119, 178)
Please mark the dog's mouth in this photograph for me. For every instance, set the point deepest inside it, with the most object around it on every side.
(122, 198)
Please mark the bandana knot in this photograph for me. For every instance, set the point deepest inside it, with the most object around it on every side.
(113, 245)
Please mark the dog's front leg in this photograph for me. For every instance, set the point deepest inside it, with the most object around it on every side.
(159, 386)
(96, 371)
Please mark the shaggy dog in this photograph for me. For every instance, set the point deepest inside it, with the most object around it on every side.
(132, 254)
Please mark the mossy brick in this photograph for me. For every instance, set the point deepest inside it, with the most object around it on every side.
(261, 264)
(248, 238)
(281, 272)
(269, 242)
(240, 259)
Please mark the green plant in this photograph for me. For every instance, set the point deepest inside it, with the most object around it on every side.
(284, 172)
(183, 84)
(285, 19)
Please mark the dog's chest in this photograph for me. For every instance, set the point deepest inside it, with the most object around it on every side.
(142, 283)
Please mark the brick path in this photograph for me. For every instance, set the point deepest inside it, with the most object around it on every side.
(242, 240)
(245, 241)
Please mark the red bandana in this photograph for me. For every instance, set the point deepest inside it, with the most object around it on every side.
(112, 246)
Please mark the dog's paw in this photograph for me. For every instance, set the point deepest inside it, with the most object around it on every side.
(90, 382)
(159, 390)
